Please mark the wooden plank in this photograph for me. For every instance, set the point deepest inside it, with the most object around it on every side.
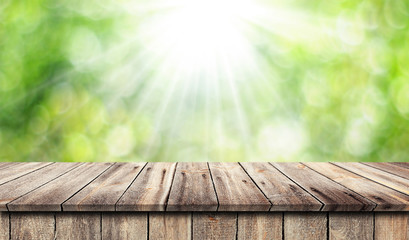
(391, 168)
(32, 226)
(214, 226)
(283, 193)
(81, 226)
(170, 226)
(102, 193)
(50, 196)
(351, 226)
(305, 225)
(124, 226)
(4, 226)
(386, 198)
(20, 186)
(150, 190)
(8, 164)
(387, 179)
(401, 164)
(392, 226)
(192, 189)
(235, 190)
(259, 226)
(8, 174)
(334, 196)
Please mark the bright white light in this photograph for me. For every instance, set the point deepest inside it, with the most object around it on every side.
(195, 34)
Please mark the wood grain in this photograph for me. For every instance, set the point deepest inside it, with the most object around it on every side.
(392, 226)
(150, 190)
(50, 196)
(305, 225)
(18, 187)
(401, 164)
(334, 196)
(391, 168)
(8, 164)
(8, 174)
(124, 226)
(235, 190)
(214, 226)
(382, 177)
(386, 199)
(351, 226)
(4, 226)
(78, 226)
(102, 193)
(283, 193)
(32, 226)
(259, 226)
(192, 189)
(172, 226)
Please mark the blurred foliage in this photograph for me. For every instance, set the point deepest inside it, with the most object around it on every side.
(77, 83)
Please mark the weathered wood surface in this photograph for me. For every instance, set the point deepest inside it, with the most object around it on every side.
(32, 226)
(125, 226)
(391, 168)
(351, 226)
(78, 226)
(259, 226)
(334, 196)
(170, 226)
(192, 189)
(214, 226)
(50, 196)
(23, 185)
(200, 225)
(150, 190)
(204, 187)
(8, 174)
(282, 192)
(235, 190)
(305, 225)
(102, 193)
(386, 198)
(392, 226)
(374, 174)
(4, 226)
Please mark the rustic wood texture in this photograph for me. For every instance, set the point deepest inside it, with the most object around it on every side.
(124, 226)
(192, 189)
(386, 198)
(78, 226)
(9, 164)
(259, 226)
(175, 226)
(8, 174)
(351, 226)
(283, 193)
(401, 164)
(235, 190)
(305, 225)
(102, 193)
(20, 186)
(214, 226)
(382, 177)
(50, 196)
(32, 226)
(204, 187)
(392, 226)
(150, 190)
(4, 226)
(391, 168)
(334, 196)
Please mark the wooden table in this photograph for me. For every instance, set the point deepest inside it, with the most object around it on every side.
(44, 200)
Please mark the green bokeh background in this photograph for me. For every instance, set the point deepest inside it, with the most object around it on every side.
(342, 96)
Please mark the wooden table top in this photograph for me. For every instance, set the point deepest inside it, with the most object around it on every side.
(46, 186)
